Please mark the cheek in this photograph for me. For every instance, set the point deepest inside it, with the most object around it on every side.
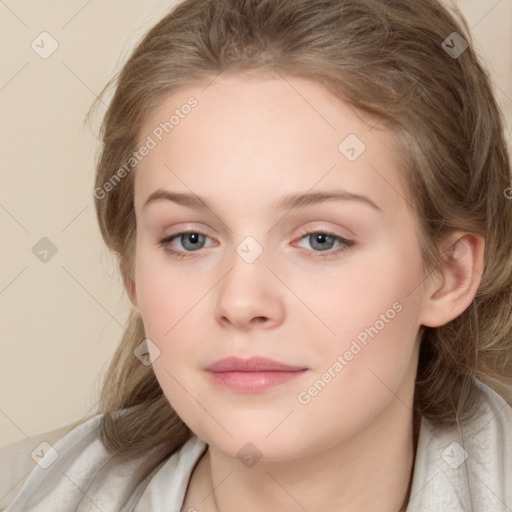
(170, 303)
(352, 297)
(369, 312)
(164, 292)
(377, 326)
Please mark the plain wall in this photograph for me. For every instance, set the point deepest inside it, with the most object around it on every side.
(62, 318)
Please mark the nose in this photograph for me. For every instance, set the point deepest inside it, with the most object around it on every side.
(249, 296)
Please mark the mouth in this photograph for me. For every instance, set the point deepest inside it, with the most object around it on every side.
(252, 375)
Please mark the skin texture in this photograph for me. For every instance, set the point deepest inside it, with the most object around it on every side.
(247, 143)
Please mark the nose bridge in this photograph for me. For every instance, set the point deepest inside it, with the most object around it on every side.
(248, 264)
(245, 292)
(250, 250)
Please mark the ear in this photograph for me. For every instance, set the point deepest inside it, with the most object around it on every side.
(449, 292)
(129, 282)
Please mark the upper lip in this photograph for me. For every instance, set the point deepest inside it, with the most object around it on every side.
(252, 364)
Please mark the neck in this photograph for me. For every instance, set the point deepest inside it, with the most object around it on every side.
(371, 471)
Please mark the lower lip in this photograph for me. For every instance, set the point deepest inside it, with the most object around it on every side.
(253, 381)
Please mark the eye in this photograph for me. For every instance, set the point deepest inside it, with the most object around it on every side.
(321, 240)
(324, 241)
(189, 239)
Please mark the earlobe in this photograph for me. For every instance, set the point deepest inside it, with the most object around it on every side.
(452, 290)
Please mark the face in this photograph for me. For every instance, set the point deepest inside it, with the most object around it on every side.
(332, 287)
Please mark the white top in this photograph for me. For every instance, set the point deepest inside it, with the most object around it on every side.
(466, 469)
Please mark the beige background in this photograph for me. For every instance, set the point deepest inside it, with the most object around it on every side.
(61, 320)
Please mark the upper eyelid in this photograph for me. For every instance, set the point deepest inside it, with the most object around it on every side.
(303, 232)
(309, 229)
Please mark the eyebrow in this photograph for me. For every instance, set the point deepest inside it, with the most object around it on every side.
(288, 202)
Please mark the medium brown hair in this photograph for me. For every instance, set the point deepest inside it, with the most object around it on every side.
(385, 58)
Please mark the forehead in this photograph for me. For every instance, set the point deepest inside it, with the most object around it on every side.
(264, 137)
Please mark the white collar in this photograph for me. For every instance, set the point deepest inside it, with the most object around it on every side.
(467, 468)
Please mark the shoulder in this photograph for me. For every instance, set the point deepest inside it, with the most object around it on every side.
(17, 460)
(467, 466)
(78, 473)
(496, 409)
(34, 463)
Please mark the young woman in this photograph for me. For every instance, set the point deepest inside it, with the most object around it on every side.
(310, 205)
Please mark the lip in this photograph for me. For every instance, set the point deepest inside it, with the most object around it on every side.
(252, 375)
(252, 364)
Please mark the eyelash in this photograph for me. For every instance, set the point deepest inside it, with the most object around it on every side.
(346, 244)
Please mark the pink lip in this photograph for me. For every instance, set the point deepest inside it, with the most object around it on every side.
(253, 364)
(253, 374)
